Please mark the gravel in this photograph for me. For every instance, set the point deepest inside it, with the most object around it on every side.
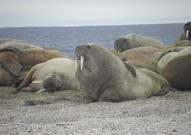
(62, 113)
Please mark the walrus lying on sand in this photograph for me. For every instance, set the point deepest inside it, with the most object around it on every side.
(14, 64)
(147, 57)
(133, 40)
(175, 66)
(104, 77)
(21, 45)
(57, 74)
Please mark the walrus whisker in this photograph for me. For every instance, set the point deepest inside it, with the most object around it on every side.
(37, 81)
(187, 32)
(40, 91)
(82, 61)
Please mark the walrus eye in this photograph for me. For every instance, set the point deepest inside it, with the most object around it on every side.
(88, 46)
(51, 84)
(124, 40)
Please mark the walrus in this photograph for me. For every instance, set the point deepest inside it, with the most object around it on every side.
(14, 64)
(147, 57)
(185, 34)
(175, 68)
(102, 76)
(167, 57)
(19, 44)
(3, 40)
(57, 74)
(133, 40)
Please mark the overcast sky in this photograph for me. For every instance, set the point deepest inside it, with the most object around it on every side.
(18, 13)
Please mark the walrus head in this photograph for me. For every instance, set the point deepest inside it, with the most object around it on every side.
(49, 83)
(187, 29)
(121, 44)
(79, 54)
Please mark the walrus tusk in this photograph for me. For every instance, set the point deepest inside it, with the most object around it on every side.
(37, 81)
(76, 64)
(187, 32)
(117, 52)
(40, 91)
(82, 61)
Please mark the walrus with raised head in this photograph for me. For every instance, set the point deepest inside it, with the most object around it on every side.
(57, 74)
(175, 67)
(133, 40)
(104, 77)
(185, 34)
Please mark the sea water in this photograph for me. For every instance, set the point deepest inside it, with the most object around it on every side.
(66, 39)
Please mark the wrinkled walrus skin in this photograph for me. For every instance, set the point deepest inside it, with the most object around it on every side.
(102, 76)
(15, 65)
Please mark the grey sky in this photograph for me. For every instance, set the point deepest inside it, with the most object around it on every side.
(17, 13)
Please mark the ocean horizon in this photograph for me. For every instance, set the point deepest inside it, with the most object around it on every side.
(67, 38)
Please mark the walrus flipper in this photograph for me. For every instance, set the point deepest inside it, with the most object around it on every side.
(24, 85)
(25, 89)
(14, 66)
(165, 90)
(17, 83)
(12, 63)
(130, 68)
(12, 49)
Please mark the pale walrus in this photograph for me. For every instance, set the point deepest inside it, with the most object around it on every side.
(185, 34)
(176, 68)
(133, 41)
(104, 77)
(57, 74)
(147, 57)
(14, 64)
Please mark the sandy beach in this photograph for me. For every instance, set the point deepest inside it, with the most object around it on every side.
(60, 113)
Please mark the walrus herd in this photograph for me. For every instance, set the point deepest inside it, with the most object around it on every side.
(136, 67)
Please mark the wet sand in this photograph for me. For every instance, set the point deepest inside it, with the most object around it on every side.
(61, 113)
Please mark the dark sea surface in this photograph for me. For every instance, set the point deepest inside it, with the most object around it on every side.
(67, 39)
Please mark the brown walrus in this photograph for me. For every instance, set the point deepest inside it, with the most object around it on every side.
(147, 57)
(19, 44)
(15, 64)
(57, 74)
(102, 76)
(175, 67)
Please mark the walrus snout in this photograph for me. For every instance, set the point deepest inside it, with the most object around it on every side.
(80, 53)
(187, 29)
(49, 84)
(119, 44)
